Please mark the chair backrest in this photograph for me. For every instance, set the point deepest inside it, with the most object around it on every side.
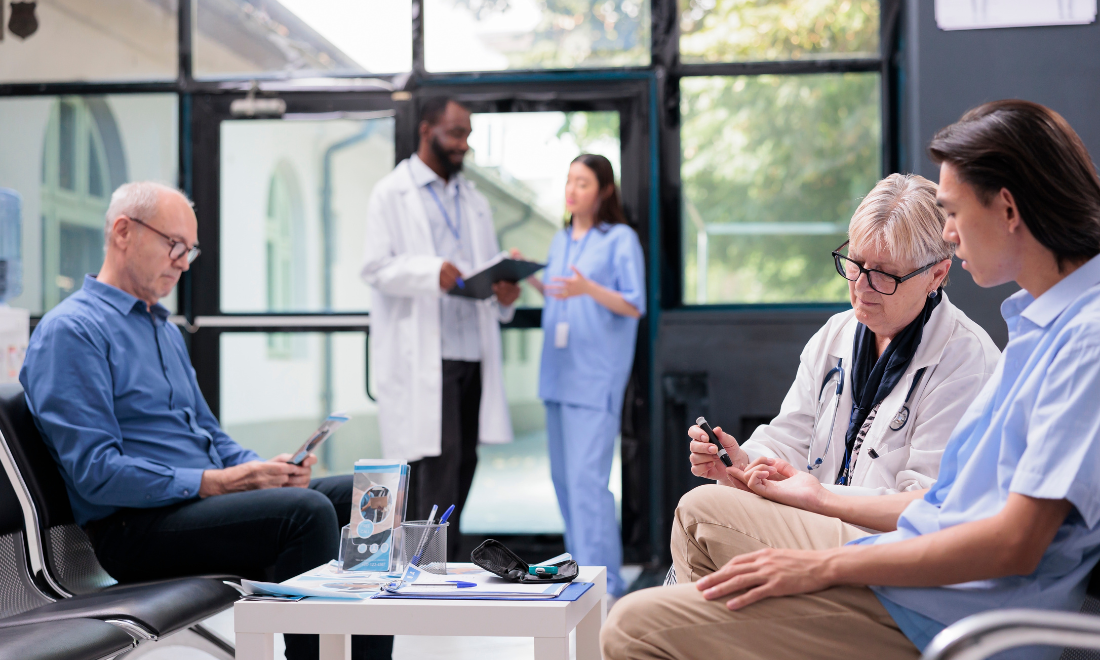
(18, 592)
(68, 558)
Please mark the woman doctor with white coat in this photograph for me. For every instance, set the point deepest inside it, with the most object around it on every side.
(879, 388)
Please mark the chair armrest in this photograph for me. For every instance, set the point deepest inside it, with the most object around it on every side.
(982, 635)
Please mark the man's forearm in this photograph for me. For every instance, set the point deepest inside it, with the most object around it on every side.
(879, 512)
(1009, 543)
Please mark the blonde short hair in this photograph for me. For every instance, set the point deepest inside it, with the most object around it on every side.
(900, 216)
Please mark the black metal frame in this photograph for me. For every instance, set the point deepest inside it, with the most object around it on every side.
(648, 100)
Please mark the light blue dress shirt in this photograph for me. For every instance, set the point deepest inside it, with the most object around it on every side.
(114, 395)
(593, 368)
(1034, 430)
(459, 328)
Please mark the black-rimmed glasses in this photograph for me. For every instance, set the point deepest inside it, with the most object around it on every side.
(176, 249)
(884, 283)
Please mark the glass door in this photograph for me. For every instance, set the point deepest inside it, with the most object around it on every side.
(279, 317)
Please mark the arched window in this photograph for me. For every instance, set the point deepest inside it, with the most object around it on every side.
(82, 164)
(283, 239)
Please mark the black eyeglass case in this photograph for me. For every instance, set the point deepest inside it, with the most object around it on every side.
(493, 556)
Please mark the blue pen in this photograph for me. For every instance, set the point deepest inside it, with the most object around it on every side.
(460, 283)
(447, 514)
(462, 585)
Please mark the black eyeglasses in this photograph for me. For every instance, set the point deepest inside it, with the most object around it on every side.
(176, 249)
(884, 283)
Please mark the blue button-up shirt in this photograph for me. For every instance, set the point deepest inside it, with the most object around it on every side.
(1034, 430)
(114, 395)
(448, 217)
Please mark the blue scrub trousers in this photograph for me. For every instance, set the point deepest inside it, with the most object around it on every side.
(582, 445)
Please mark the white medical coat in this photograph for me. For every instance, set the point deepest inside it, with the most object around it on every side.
(402, 269)
(958, 357)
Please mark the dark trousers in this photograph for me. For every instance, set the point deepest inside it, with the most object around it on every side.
(272, 534)
(445, 479)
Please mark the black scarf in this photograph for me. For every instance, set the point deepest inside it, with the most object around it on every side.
(873, 380)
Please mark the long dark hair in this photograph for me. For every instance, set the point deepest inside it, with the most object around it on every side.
(1033, 152)
(611, 206)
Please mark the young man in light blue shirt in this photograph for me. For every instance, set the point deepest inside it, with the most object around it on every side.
(1014, 520)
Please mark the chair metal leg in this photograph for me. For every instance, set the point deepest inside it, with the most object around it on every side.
(197, 637)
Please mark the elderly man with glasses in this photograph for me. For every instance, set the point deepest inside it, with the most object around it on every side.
(160, 489)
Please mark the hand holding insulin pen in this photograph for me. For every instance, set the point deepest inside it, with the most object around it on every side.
(726, 460)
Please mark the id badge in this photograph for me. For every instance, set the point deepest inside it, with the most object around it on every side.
(561, 335)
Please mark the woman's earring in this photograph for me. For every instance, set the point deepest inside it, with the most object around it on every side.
(933, 293)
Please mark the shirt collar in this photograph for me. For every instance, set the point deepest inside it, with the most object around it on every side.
(119, 299)
(423, 175)
(1044, 309)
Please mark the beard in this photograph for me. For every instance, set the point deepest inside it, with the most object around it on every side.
(444, 157)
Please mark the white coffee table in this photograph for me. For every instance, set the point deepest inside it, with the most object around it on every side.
(549, 622)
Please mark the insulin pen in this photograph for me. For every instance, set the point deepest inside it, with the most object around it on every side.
(726, 460)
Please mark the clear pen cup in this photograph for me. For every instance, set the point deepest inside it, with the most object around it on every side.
(345, 534)
(433, 555)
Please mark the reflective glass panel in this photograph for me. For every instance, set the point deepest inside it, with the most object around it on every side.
(520, 161)
(64, 156)
(493, 35)
(272, 400)
(235, 38)
(89, 40)
(756, 30)
(773, 168)
(293, 201)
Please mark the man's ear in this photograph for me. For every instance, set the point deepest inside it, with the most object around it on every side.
(121, 228)
(1010, 210)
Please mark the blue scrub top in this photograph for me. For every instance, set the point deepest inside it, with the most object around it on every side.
(592, 370)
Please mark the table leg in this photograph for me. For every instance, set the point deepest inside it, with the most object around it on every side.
(335, 647)
(588, 633)
(551, 648)
(255, 646)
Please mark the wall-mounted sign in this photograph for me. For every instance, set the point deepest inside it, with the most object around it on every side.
(987, 14)
(23, 22)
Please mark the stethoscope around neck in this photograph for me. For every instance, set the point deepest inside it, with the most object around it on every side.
(837, 373)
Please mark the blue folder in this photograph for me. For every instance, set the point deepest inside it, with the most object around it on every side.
(571, 593)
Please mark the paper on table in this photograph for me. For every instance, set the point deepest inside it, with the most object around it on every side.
(326, 581)
(486, 585)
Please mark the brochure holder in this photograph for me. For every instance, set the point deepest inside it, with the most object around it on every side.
(379, 497)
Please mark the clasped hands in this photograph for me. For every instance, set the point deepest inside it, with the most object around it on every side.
(770, 572)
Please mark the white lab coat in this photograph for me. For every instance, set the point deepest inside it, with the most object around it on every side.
(959, 358)
(402, 269)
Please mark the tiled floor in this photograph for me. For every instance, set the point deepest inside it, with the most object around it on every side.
(404, 648)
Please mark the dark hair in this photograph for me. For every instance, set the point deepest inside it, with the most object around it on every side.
(1031, 151)
(611, 207)
(433, 108)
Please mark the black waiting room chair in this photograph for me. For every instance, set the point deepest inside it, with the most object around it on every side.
(51, 638)
(62, 560)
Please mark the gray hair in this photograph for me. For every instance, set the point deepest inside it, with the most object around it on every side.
(900, 215)
(138, 199)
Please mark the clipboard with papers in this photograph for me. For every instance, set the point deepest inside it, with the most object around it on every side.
(501, 268)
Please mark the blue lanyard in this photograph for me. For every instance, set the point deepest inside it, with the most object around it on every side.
(456, 227)
(580, 248)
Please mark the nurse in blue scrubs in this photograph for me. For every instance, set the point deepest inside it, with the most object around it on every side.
(594, 283)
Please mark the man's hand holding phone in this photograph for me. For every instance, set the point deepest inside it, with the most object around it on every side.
(257, 475)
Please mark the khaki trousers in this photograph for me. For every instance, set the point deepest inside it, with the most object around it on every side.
(714, 524)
